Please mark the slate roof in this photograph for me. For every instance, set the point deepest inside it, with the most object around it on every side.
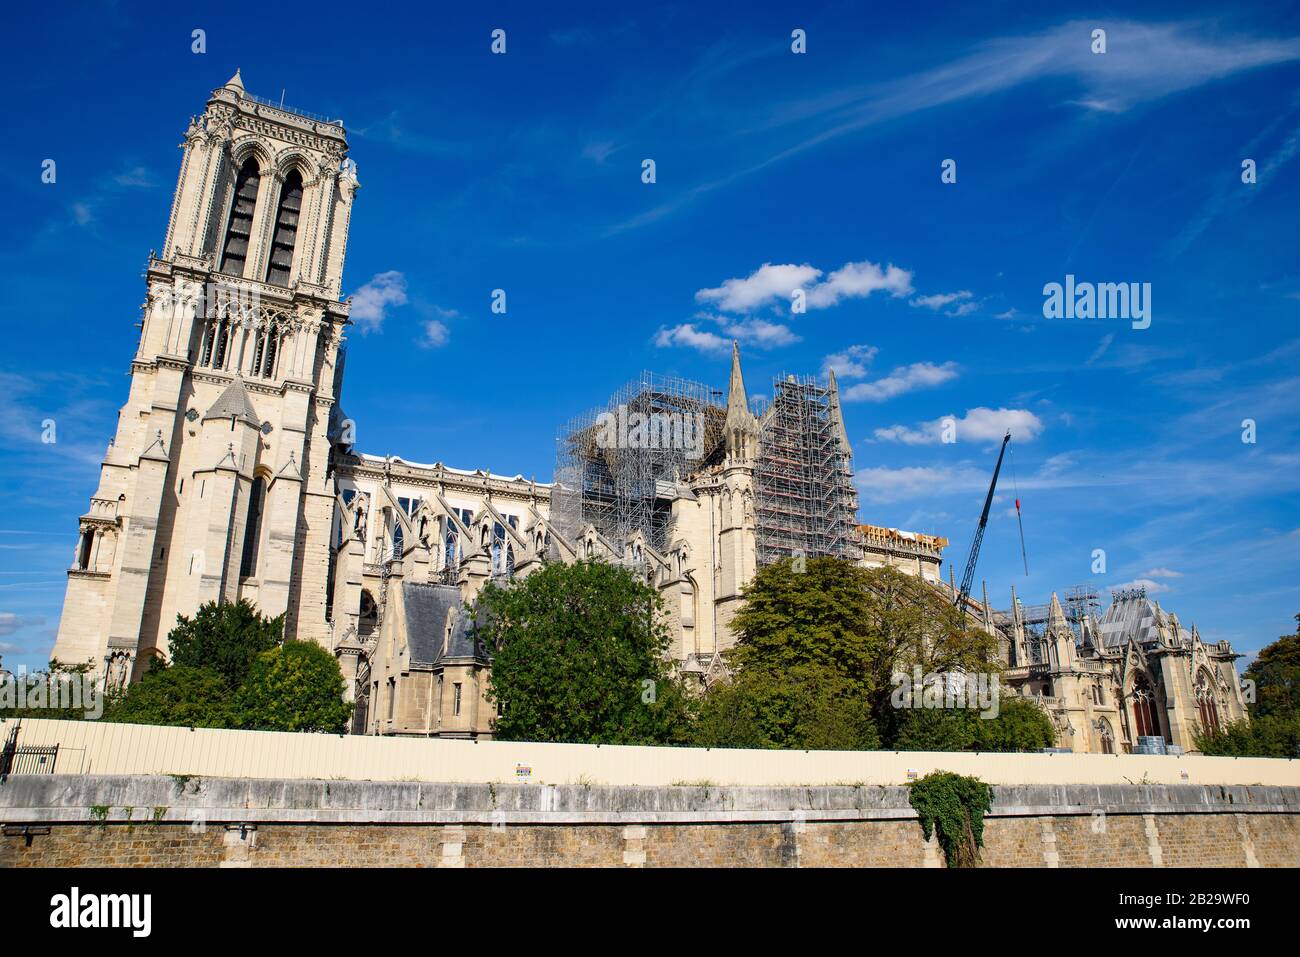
(234, 402)
(427, 608)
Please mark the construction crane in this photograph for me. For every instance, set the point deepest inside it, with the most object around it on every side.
(969, 576)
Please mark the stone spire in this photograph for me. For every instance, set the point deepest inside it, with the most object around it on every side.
(235, 83)
(740, 428)
(837, 416)
(1056, 614)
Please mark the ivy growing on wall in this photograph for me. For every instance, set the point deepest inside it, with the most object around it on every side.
(954, 805)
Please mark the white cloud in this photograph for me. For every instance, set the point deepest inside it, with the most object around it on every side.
(857, 281)
(918, 375)
(10, 622)
(1152, 587)
(939, 300)
(135, 177)
(762, 286)
(370, 303)
(759, 333)
(1161, 573)
(772, 283)
(886, 485)
(687, 335)
(436, 334)
(852, 363)
(977, 425)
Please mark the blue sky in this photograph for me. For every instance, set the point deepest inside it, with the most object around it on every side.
(523, 172)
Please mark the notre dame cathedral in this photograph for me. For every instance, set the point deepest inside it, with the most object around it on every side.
(232, 475)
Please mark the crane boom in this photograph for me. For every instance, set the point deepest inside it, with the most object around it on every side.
(969, 576)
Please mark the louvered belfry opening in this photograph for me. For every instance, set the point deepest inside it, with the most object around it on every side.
(240, 227)
(286, 230)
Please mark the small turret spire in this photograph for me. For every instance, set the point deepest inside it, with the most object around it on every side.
(236, 82)
(736, 387)
(740, 428)
(837, 415)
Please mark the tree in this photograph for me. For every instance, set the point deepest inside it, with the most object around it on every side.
(1270, 736)
(1020, 725)
(225, 637)
(63, 691)
(1276, 673)
(810, 708)
(1273, 730)
(579, 655)
(935, 729)
(181, 696)
(818, 617)
(816, 650)
(295, 687)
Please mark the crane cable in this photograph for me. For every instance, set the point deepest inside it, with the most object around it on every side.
(1016, 490)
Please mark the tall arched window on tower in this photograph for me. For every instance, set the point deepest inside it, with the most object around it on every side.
(1206, 705)
(1146, 718)
(286, 230)
(252, 528)
(240, 226)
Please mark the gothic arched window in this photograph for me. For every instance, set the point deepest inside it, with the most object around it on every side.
(1145, 716)
(1107, 736)
(1206, 704)
(286, 230)
(252, 528)
(239, 228)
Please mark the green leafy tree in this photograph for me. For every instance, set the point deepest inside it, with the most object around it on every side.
(55, 680)
(935, 729)
(1020, 725)
(181, 696)
(579, 655)
(819, 618)
(1271, 736)
(809, 708)
(294, 687)
(1276, 673)
(224, 636)
(816, 650)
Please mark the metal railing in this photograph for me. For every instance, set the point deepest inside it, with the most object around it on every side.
(296, 112)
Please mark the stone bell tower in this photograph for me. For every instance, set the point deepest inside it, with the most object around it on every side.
(216, 484)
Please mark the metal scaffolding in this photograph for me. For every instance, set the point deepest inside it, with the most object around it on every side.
(663, 429)
(805, 502)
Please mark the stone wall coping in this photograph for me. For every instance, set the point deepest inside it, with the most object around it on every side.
(146, 799)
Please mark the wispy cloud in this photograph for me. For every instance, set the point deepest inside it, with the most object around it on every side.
(977, 425)
(904, 379)
(1144, 62)
(852, 363)
(759, 333)
(962, 302)
(370, 303)
(770, 283)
